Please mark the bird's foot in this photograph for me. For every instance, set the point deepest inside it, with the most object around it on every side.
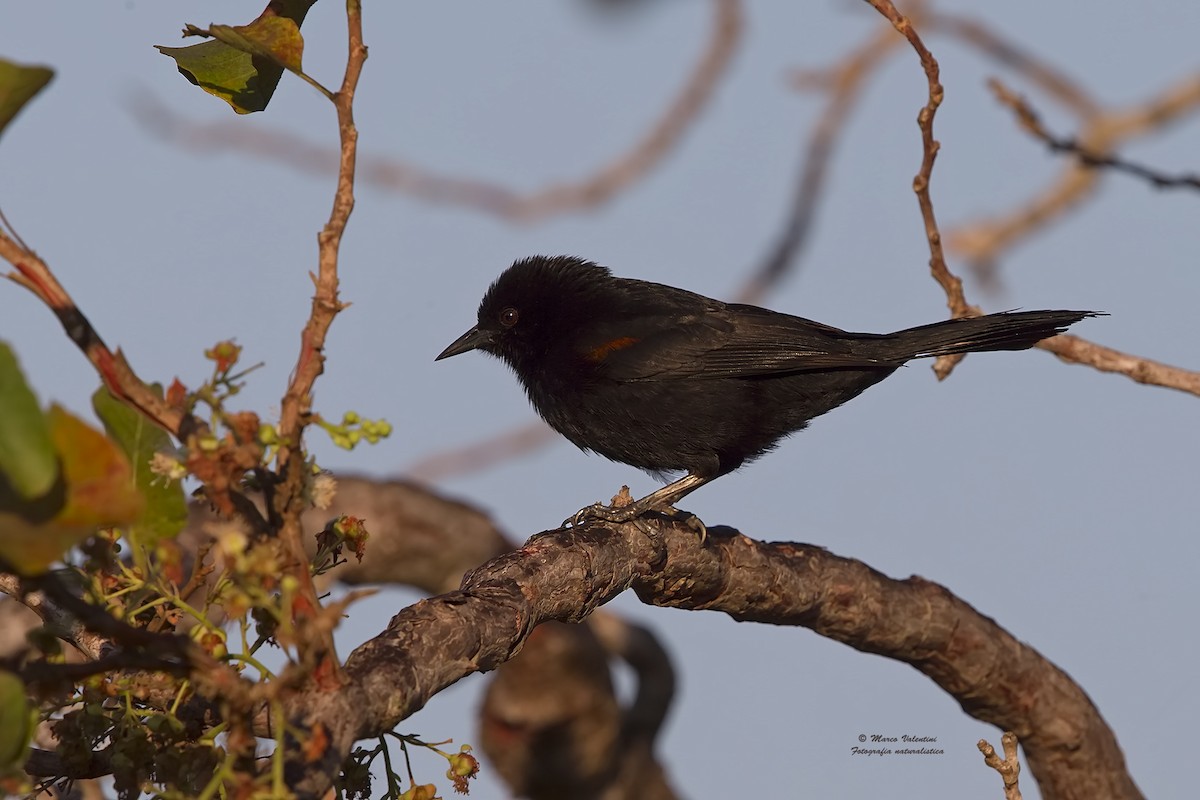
(603, 513)
(631, 511)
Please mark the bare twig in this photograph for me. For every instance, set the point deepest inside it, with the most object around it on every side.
(98, 636)
(114, 370)
(287, 499)
(1069, 348)
(951, 284)
(33, 273)
(45, 764)
(48, 597)
(1009, 767)
(65, 625)
(122, 660)
(1032, 122)
(984, 241)
(1074, 350)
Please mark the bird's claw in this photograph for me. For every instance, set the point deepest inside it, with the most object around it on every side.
(602, 512)
(691, 520)
(631, 512)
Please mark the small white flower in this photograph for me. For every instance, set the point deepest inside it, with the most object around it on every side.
(323, 490)
(168, 466)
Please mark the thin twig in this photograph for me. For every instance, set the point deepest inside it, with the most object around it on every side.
(33, 273)
(951, 284)
(984, 241)
(288, 499)
(1074, 350)
(1009, 767)
(114, 370)
(65, 604)
(1031, 121)
(121, 660)
(63, 624)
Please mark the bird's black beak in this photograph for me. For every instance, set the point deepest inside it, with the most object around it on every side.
(470, 340)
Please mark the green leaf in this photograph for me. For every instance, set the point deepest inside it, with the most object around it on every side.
(237, 78)
(98, 491)
(16, 723)
(18, 85)
(28, 462)
(243, 63)
(140, 439)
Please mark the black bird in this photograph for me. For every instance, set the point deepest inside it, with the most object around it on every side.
(668, 381)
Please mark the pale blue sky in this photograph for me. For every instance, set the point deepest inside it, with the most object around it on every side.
(1058, 500)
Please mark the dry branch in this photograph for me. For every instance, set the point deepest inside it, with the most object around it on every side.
(1075, 350)
(287, 498)
(1031, 121)
(1009, 767)
(984, 241)
(951, 284)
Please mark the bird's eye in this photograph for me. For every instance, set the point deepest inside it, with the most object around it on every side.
(508, 317)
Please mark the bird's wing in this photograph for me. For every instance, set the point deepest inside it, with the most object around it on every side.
(722, 342)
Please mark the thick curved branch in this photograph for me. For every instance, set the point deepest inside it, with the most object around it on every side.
(552, 725)
(564, 575)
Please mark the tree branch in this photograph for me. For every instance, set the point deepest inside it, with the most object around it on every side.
(951, 284)
(1075, 350)
(564, 575)
(1031, 121)
(288, 499)
(35, 275)
(984, 241)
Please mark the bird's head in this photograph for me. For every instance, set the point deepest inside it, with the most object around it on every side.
(533, 307)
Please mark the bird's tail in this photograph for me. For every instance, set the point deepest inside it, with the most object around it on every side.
(1012, 330)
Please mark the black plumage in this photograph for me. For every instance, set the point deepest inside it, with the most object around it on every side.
(667, 380)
